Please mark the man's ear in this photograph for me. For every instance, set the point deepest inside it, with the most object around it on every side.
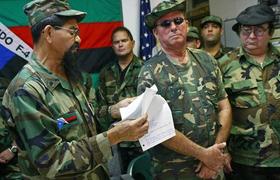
(198, 43)
(155, 32)
(222, 31)
(47, 33)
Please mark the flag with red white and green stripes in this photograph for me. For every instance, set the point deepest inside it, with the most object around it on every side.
(102, 17)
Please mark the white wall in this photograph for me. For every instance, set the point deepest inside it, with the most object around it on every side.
(228, 10)
(131, 18)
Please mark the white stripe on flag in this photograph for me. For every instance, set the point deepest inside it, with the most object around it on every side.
(12, 42)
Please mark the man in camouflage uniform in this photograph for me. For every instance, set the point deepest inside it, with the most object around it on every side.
(252, 80)
(193, 39)
(211, 33)
(191, 83)
(49, 108)
(8, 148)
(118, 80)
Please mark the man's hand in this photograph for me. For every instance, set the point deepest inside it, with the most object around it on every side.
(6, 156)
(115, 109)
(227, 166)
(213, 157)
(204, 172)
(128, 130)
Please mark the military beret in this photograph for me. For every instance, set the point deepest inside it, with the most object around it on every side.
(254, 15)
(212, 18)
(162, 9)
(37, 10)
(193, 32)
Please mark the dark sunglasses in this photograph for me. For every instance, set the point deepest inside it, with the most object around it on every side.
(167, 23)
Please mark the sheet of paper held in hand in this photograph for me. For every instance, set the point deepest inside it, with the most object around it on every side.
(160, 119)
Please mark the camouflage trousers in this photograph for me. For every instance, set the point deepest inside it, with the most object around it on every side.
(182, 176)
(10, 171)
(243, 172)
(178, 171)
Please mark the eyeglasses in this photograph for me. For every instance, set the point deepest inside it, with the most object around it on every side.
(74, 31)
(258, 30)
(167, 23)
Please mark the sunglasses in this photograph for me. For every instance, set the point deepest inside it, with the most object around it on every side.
(167, 23)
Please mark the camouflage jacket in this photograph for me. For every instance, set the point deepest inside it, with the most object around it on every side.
(254, 93)
(111, 90)
(54, 124)
(222, 52)
(192, 91)
(5, 137)
(8, 170)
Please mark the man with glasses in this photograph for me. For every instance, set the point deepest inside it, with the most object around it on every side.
(252, 80)
(211, 33)
(191, 83)
(50, 110)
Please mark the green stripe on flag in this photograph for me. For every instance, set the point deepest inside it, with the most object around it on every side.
(99, 10)
(11, 11)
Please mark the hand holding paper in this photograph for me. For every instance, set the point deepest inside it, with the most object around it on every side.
(160, 119)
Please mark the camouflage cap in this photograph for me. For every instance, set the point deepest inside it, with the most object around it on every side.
(163, 8)
(37, 10)
(193, 32)
(254, 15)
(213, 19)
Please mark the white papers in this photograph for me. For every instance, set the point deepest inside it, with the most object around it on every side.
(160, 119)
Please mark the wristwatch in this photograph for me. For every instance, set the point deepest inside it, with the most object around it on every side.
(13, 149)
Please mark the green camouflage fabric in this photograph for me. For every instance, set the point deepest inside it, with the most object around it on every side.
(212, 18)
(9, 170)
(254, 93)
(5, 138)
(163, 8)
(55, 124)
(111, 90)
(192, 92)
(222, 52)
(37, 10)
(193, 32)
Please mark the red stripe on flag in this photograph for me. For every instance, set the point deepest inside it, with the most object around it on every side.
(97, 35)
(24, 33)
(93, 35)
(72, 118)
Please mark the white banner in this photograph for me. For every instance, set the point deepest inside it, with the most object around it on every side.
(12, 42)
